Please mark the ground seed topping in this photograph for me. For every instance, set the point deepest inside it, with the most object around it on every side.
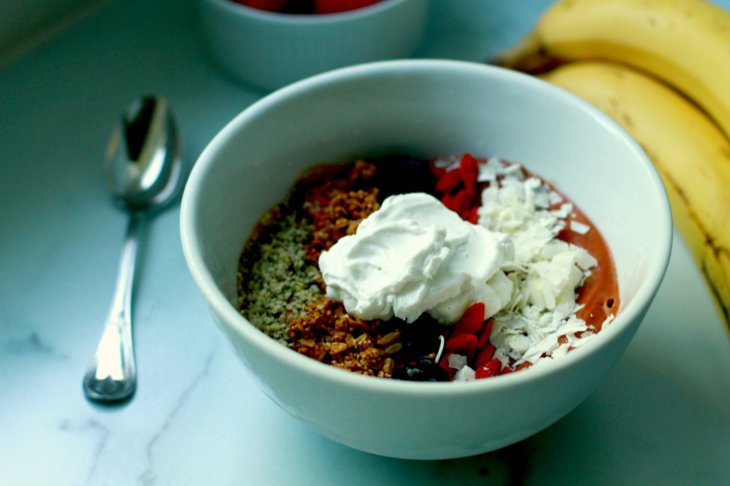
(275, 279)
(278, 277)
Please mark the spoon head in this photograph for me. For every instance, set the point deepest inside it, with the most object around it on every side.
(143, 162)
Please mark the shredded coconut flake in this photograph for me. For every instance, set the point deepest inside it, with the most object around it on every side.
(465, 374)
(456, 361)
(545, 272)
(442, 343)
(578, 227)
(554, 197)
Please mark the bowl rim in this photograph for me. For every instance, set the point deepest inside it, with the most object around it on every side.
(230, 316)
(241, 10)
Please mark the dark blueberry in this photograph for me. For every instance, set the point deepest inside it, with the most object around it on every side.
(423, 369)
(403, 174)
(299, 7)
(421, 337)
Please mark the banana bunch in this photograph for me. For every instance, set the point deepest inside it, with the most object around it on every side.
(660, 69)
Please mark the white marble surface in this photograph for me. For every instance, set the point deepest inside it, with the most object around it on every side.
(662, 416)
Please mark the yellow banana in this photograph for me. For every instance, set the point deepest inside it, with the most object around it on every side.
(684, 42)
(690, 152)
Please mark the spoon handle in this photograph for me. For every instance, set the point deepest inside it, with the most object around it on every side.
(112, 374)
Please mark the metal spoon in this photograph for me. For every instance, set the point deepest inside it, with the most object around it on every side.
(144, 172)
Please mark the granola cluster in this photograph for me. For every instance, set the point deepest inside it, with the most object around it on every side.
(337, 205)
(328, 334)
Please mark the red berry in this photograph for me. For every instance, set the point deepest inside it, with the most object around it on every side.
(483, 372)
(471, 320)
(448, 181)
(486, 334)
(465, 344)
(448, 200)
(492, 367)
(472, 215)
(484, 355)
(334, 6)
(469, 170)
(458, 203)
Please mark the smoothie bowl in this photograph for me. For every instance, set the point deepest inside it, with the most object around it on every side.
(426, 259)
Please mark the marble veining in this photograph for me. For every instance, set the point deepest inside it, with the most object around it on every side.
(148, 477)
(33, 344)
(97, 431)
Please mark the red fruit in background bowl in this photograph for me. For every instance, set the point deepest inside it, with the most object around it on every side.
(269, 5)
(334, 6)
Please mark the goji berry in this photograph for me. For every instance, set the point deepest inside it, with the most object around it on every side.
(472, 215)
(471, 321)
(448, 181)
(465, 344)
(458, 203)
(495, 365)
(469, 170)
(491, 368)
(444, 361)
(485, 335)
(484, 355)
(448, 200)
(483, 372)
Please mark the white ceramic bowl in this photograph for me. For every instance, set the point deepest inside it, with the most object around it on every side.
(269, 49)
(424, 108)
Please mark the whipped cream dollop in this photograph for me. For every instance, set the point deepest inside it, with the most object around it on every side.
(415, 256)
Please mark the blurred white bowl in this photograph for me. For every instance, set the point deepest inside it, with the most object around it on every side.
(270, 49)
(426, 109)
